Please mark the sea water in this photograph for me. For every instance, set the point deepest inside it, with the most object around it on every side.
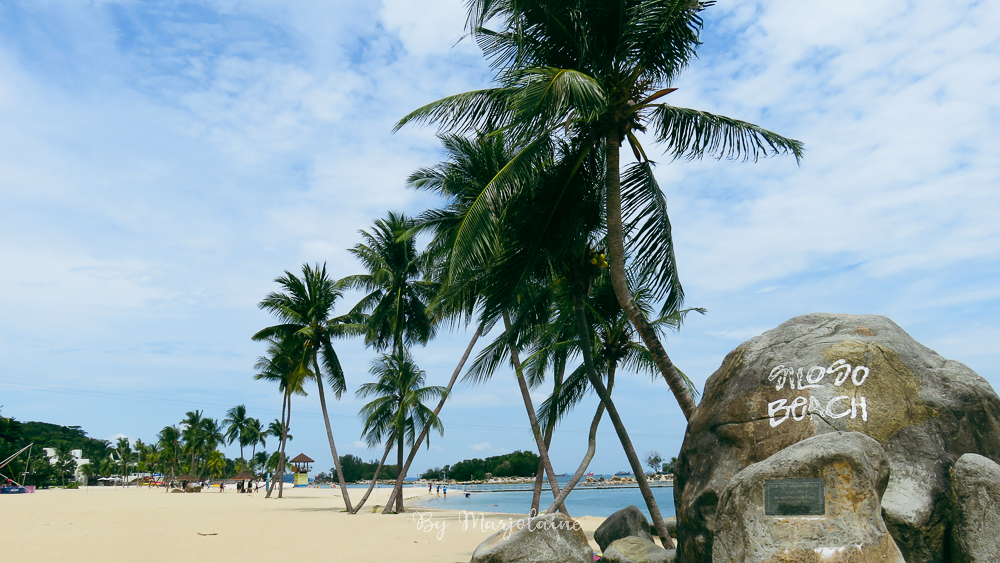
(582, 501)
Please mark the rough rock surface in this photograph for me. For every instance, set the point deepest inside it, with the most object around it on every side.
(629, 521)
(176, 490)
(822, 373)
(632, 549)
(855, 473)
(552, 538)
(192, 488)
(976, 524)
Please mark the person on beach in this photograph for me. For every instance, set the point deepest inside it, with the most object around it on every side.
(446, 490)
(239, 486)
(439, 490)
(430, 487)
(222, 487)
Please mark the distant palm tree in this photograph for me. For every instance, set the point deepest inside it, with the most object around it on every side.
(397, 414)
(235, 425)
(304, 308)
(255, 434)
(194, 439)
(125, 456)
(215, 463)
(170, 443)
(282, 365)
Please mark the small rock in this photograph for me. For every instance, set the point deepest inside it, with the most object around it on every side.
(976, 522)
(629, 521)
(553, 538)
(637, 550)
(176, 490)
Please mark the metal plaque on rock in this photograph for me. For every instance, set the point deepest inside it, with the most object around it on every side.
(794, 497)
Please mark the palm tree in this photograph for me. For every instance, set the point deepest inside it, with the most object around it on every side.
(614, 345)
(201, 435)
(397, 293)
(169, 439)
(471, 164)
(235, 425)
(215, 463)
(397, 413)
(255, 434)
(304, 308)
(125, 456)
(596, 71)
(283, 365)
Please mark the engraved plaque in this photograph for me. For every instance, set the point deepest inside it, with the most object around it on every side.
(794, 497)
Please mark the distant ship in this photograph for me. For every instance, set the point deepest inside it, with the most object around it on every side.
(624, 474)
(561, 475)
(591, 474)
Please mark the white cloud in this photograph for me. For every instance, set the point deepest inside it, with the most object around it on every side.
(481, 447)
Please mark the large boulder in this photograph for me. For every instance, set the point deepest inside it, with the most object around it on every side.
(629, 521)
(192, 488)
(634, 549)
(976, 524)
(552, 538)
(823, 373)
(825, 501)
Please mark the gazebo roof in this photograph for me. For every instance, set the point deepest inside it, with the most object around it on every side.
(302, 458)
(243, 476)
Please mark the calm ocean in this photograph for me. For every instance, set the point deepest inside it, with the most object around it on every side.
(583, 501)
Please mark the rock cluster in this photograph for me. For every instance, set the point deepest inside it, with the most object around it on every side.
(822, 373)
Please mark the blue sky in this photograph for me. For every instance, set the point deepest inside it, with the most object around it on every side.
(162, 162)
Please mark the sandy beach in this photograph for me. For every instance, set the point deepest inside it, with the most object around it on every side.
(114, 525)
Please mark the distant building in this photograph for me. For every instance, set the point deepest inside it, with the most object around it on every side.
(78, 476)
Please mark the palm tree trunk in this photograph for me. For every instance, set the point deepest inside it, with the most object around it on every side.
(437, 410)
(329, 435)
(543, 451)
(284, 441)
(602, 392)
(616, 261)
(591, 444)
(378, 469)
(270, 484)
(536, 497)
(399, 466)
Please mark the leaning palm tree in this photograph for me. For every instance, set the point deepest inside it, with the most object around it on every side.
(304, 308)
(282, 365)
(397, 413)
(470, 166)
(597, 71)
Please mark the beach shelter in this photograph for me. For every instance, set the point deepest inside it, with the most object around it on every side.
(301, 463)
(244, 476)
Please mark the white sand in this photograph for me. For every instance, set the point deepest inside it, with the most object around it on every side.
(116, 525)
